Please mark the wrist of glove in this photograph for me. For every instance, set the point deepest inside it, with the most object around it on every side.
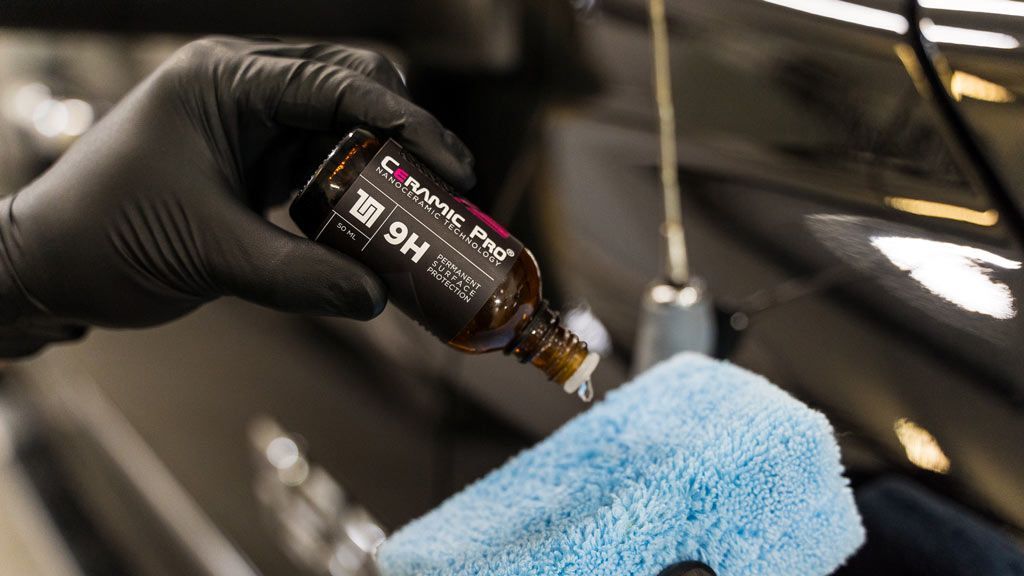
(156, 210)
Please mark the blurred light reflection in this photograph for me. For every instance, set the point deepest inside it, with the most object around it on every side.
(848, 12)
(33, 106)
(958, 274)
(943, 210)
(921, 447)
(282, 452)
(25, 99)
(965, 85)
(50, 118)
(1003, 7)
(80, 117)
(966, 36)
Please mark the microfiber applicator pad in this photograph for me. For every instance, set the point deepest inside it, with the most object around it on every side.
(694, 460)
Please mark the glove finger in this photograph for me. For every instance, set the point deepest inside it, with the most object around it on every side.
(255, 260)
(364, 101)
(367, 62)
(318, 96)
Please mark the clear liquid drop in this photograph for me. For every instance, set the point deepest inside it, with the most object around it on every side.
(586, 391)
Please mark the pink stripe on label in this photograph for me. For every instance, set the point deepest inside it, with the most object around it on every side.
(491, 222)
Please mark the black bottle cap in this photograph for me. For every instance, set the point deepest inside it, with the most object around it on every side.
(688, 569)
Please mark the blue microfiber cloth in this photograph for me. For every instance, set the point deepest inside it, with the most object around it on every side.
(694, 460)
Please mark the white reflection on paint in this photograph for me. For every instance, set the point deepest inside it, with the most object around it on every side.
(1003, 7)
(848, 12)
(893, 22)
(966, 36)
(958, 274)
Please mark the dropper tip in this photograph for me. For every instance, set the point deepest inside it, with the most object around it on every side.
(579, 381)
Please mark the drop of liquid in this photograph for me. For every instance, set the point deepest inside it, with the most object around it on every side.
(586, 391)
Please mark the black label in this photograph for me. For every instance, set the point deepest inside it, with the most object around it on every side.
(441, 257)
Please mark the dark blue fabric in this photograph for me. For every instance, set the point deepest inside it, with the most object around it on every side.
(912, 532)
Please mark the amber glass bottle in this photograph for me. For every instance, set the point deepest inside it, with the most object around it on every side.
(447, 264)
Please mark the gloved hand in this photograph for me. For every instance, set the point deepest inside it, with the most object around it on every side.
(155, 211)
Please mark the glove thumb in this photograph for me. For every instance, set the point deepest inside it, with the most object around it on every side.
(262, 263)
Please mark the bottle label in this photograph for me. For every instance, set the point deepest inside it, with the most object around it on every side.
(441, 257)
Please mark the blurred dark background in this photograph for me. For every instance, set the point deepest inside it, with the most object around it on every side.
(852, 174)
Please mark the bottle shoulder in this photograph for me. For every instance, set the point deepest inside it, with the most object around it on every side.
(506, 312)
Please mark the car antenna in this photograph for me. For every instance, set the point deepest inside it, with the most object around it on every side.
(676, 313)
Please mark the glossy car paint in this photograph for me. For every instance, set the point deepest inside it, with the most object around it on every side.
(827, 202)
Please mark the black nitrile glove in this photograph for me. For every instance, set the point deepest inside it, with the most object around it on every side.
(155, 211)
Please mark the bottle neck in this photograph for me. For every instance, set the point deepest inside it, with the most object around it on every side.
(548, 345)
